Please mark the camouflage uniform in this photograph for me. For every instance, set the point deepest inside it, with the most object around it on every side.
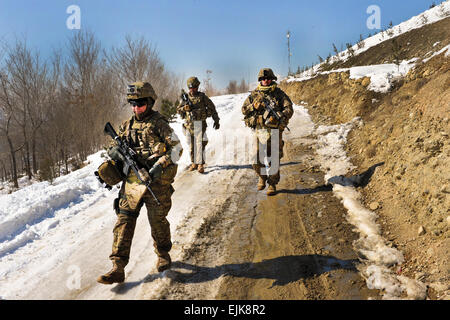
(202, 109)
(260, 121)
(151, 137)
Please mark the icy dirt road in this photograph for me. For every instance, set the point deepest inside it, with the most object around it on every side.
(229, 240)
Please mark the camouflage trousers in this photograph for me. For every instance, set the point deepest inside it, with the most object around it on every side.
(264, 149)
(197, 141)
(126, 222)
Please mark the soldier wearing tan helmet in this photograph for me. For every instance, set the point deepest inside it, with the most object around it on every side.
(264, 124)
(194, 125)
(150, 136)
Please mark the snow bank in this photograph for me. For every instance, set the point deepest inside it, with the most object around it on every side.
(7, 187)
(444, 49)
(381, 76)
(30, 212)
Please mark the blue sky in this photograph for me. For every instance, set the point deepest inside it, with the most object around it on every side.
(232, 38)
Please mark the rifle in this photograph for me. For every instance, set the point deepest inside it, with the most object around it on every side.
(270, 109)
(185, 98)
(130, 157)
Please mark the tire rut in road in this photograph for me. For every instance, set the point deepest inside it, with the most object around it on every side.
(300, 245)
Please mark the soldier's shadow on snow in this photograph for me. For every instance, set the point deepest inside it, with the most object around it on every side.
(281, 270)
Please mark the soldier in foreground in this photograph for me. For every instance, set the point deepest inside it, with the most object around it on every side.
(195, 108)
(266, 110)
(147, 133)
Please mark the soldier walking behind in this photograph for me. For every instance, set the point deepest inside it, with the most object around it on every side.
(195, 112)
(265, 126)
(150, 136)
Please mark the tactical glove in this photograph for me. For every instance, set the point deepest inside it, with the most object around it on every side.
(272, 122)
(257, 105)
(115, 154)
(145, 176)
(216, 125)
(156, 171)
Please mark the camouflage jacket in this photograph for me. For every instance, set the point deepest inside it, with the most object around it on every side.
(203, 108)
(154, 142)
(257, 118)
(151, 138)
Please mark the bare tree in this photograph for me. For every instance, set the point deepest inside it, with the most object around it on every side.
(243, 86)
(80, 75)
(139, 60)
(52, 112)
(207, 84)
(7, 132)
(136, 60)
(232, 87)
(361, 43)
(17, 87)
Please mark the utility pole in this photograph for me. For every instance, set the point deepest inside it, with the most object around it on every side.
(208, 77)
(248, 77)
(288, 36)
(208, 85)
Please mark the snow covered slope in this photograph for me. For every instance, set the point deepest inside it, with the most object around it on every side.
(432, 15)
(382, 75)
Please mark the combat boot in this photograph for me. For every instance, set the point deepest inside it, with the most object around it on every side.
(261, 184)
(116, 275)
(164, 262)
(193, 167)
(201, 168)
(271, 190)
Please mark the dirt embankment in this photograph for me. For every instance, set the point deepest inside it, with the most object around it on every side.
(408, 129)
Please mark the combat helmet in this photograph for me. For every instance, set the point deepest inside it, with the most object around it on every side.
(141, 90)
(266, 73)
(193, 82)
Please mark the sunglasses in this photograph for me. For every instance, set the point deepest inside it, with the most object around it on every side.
(138, 103)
